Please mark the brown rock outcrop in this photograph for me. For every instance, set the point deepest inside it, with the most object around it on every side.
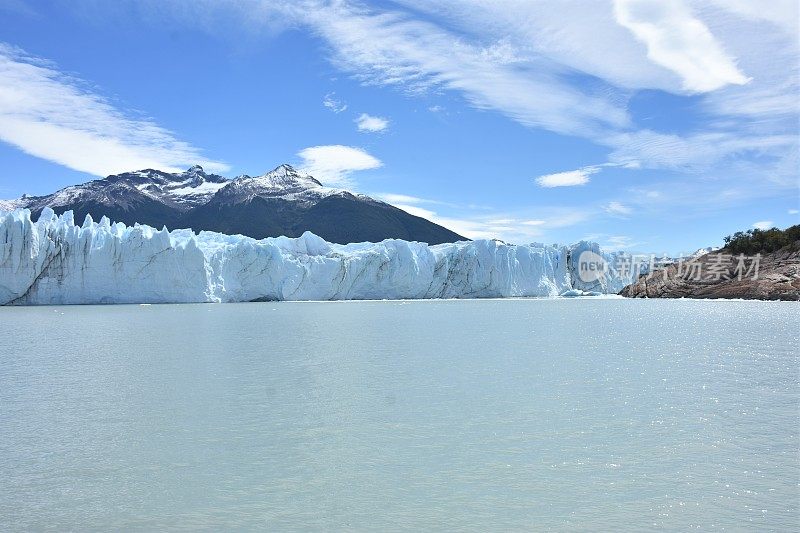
(721, 275)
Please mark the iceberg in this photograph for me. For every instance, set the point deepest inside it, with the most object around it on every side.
(55, 261)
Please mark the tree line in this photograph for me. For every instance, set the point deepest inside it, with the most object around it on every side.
(756, 241)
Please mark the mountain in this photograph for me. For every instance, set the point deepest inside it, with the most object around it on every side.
(702, 251)
(149, 197)
(283, 202)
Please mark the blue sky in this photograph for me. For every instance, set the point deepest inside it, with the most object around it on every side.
(644, 125)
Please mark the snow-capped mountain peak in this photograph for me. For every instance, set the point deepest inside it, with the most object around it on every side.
(285, 177)
(196, 174)
(702, 251)
(283, 201)
(283, 181)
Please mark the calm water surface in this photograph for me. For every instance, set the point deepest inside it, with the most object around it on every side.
(456, 415)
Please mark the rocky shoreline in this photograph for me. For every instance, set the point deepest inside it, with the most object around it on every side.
(720, 274)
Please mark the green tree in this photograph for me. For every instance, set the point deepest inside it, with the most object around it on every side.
(756, 241)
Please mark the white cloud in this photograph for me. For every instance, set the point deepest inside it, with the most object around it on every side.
(389, 48)
(368, 123)
(694, 152)
(781, 13)
(585, 37)
(683, 198)
(680, 42)
(793, 211)
(526, 75)
(511, 227)
(56, 117)
(763, 224)
(610, 242)
(567, 179)
(581, 35)
(471, 229)
(333, 164)
(337, 106)
(569, 66)
(618, 242)
(617, 209)
(393, 198)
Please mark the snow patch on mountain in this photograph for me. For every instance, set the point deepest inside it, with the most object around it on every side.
(54, 261)
(182, 190)
(205, 190)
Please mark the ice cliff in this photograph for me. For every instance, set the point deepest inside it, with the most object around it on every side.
(54, 261)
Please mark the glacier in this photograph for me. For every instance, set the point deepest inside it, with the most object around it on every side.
(54, 261)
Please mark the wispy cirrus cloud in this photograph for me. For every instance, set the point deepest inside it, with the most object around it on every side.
(617, 209)
(390, 48)
(571, 67)
(612, 242)
(333, 165)
(331, 102)
(712, 48)
(394, 198)
(468, 225)
(680, 42)
(698, 152)
(52, 115)
(780, 13)
(570, 70)
(515, 226)
(526, 75)
(478, 227)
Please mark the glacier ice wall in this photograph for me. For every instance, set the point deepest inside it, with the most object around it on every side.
(54, 261)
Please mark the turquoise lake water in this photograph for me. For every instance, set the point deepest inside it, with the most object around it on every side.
(502, 415)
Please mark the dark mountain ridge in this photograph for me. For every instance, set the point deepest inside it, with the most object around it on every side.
(280, 202)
